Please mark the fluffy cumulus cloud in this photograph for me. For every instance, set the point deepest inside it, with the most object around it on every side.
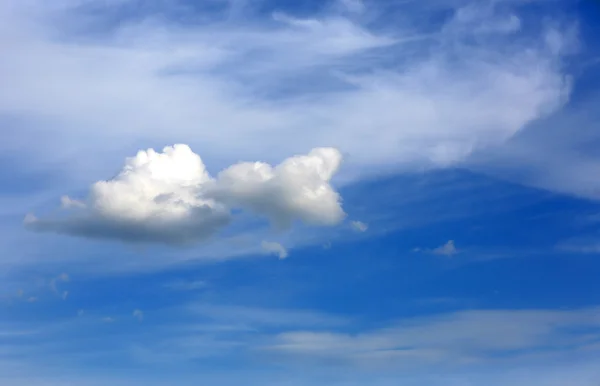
(296, 188)
(170, 197)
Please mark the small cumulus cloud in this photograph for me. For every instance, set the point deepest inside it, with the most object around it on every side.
(271, 247)
(62, 278)
(80, 313)
(65, 294)
(359, 226)
(169, 197)
(447, 249)
(186, 285)
(138, 314)
(66, 202)
(108, 319)
(32, 299)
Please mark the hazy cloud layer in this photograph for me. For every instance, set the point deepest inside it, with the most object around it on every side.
(461, 338)
(83, 76)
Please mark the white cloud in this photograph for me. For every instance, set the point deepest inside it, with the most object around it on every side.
(108, 319)
(239, 88)
(567, 135)
(185, 285)
(138, 314)
(257, 318)
(296, 188)
(359, 226)
(588, 244)
(63, 277)
(460, 338)
(67, 202)
(447, 249)
(271, 247)
(169, 197)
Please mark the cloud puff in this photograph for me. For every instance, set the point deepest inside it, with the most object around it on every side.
(298, 188)
(185, 285)
(138, 314)
(272, 247)
(169, 197)
(67, 202)
(447, 249)
(359, 226)
(63, 277)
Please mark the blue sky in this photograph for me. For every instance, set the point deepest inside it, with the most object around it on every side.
(345, 193)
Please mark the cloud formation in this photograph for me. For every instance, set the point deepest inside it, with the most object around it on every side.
(447, 249)
(169, 197)
(458, 338)
(138, 314)
(271, 247)
(387, 92)
(359, 226)
(62, 278)
(186, 285)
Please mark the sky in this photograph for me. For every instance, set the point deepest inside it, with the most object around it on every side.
(293, 193)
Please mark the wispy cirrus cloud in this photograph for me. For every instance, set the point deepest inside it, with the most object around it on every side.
(399, 95)
(460, 338)
(459, 343)
(389, 94)
(186, 285)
